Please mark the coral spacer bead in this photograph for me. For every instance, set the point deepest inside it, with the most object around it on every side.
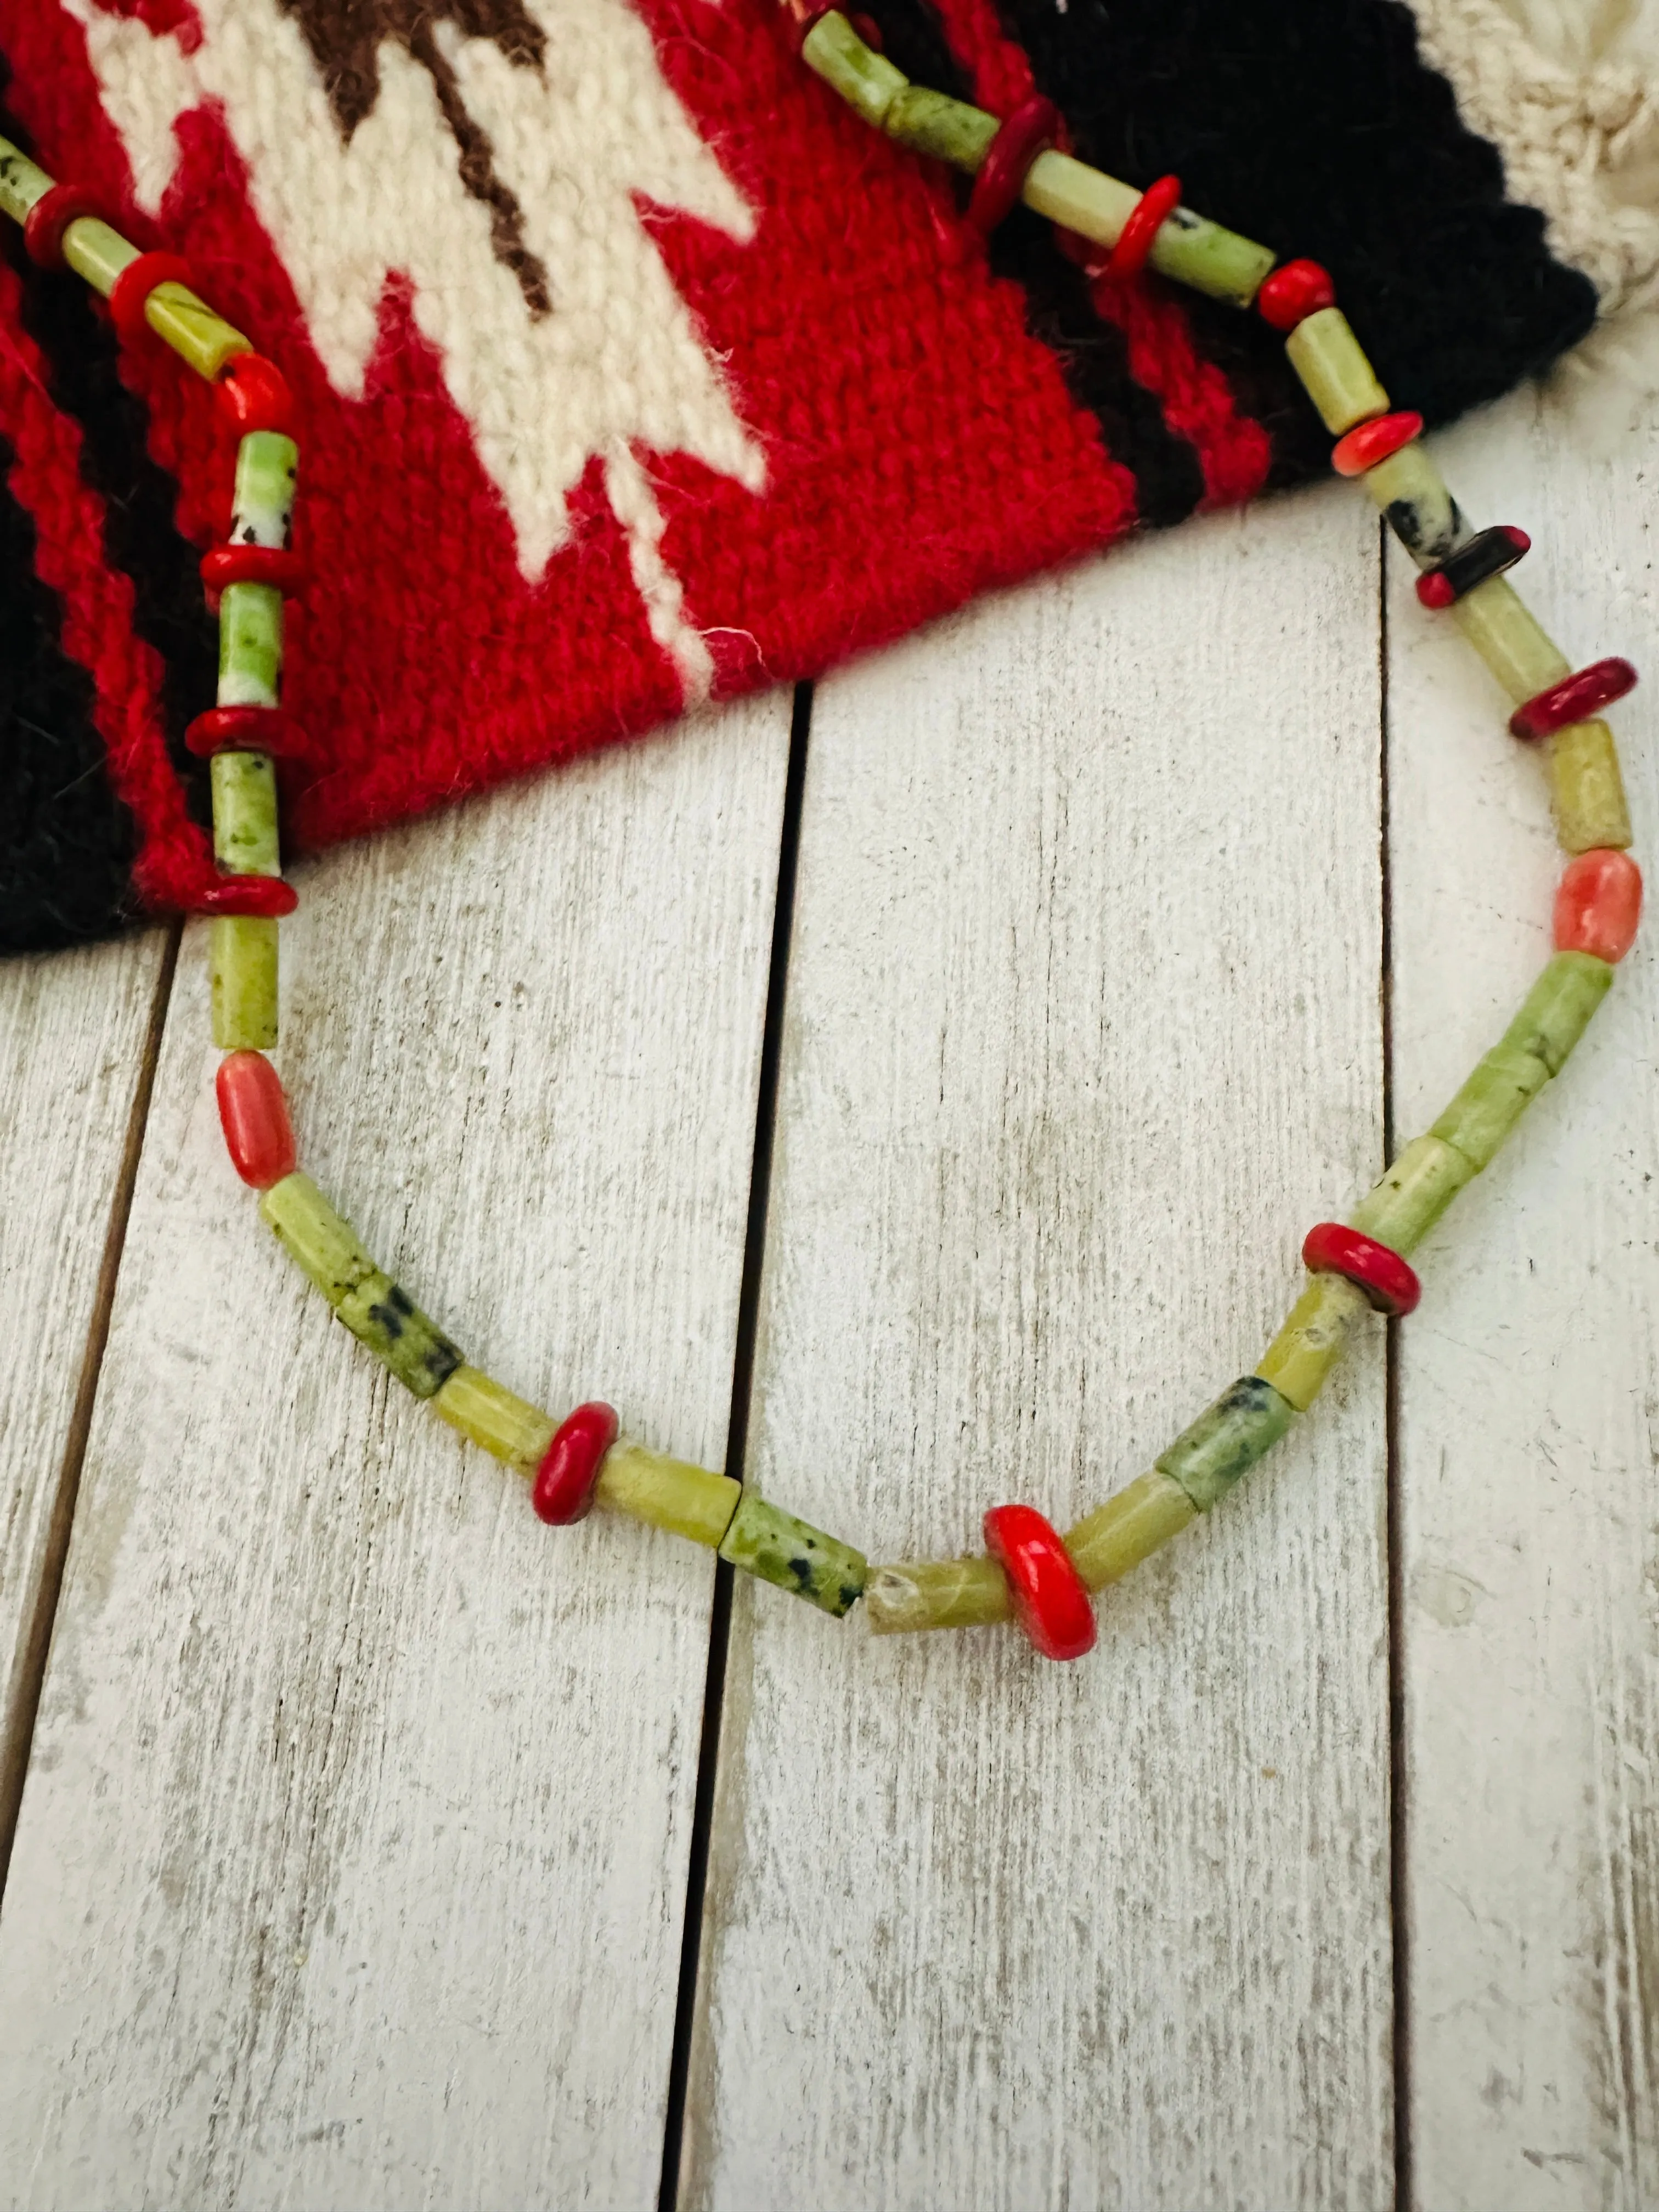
(1293, 293)
(266, 897)
(1576, 698)
(283, 571)
(1146, 218)
(1598, 905)
(244, 729)
(253, 393)
(1330, 1248)
(1488, 553)
(563, 1488)
(254, 1115)
(1050, 1600)
(50, 218)
(128, 293)
(1034, 126)
(1368, 443)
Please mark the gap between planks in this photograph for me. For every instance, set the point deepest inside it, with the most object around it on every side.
(32, 1661)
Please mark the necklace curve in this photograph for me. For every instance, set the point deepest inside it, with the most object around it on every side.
(1028, 1571)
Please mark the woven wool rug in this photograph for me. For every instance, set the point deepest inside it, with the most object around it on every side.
(636, 371)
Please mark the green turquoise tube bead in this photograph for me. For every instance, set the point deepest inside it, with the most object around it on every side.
(1400, 1210)
(866, 80)
(203, 340)
(249, 645)
(1504, 1083)
(1587, 789)
(262, 500)
(1510, 639)
(1315, 1333)
(96, 253)
(933, 123)
(773, 1544)
(1334, 371)
(919, 1594)
(21, 182)
(244, 839)
(1416, 505)
(1188, 248)
(242, 979)
(487, 1414)
(1128, 1527)
(1556, 1012)
(1226, 1440)
(321, 1242)
(381, 1314)
(689, 1501)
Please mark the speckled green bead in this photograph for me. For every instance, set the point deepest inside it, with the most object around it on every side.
(1226, 1440)
(866, 80)
(768, 1542)
(267, 479)
(22, 183)
(1504, 1083)
(244, 839)
(1400, 1209)
(249, 645)
(381, 1314)
(1418, 505)
(1556, 1012)
(242, 980)
(1334, 372)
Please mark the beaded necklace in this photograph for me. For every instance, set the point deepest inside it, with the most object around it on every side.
(1028, 1571)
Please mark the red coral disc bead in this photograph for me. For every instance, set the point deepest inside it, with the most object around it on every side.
(1332, 1248)
(128, 293)
(50, 218)
(1374, 441)
(268, 898)
(1049, 1600)
(1598, 905)
(244, 729)
(1034, 126)
(563, 1489)
(254, 1115)
(283, 571)
(1575, 699)
(1293, 293)
(1146, 218)
(253, 393)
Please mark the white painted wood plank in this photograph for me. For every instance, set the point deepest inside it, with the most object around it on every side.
(74, 1025)
(1529, 1384)
(1082, 1030)
(352, 1857)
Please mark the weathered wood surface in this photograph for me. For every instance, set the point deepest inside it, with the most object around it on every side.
(1529, 1399)
(353, 1851)
(1083, 1026)
(74, 1030)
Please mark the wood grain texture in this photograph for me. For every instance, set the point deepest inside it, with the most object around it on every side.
(1530, 1393)
(1083, 1028)
(74, 1026)
(352, 1857)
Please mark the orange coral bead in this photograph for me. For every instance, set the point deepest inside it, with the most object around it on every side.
(253, 1114)
(1598, 905)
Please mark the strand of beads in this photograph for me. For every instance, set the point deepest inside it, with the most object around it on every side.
(1359, 1267)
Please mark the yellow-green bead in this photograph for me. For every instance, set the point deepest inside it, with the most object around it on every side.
(1504, 1083)
(1587, 789)
(1226, 1440)
(777, 1547)
(1400, 1209)
(242, 975)
(921, 1594)
(689, 1501)
(1510, 639)
(1556, 1012)
(244, 839)
(1119, 1534)
(1315, 1333)
(866, 80)
(487, 1414)
(249, 645)
(1334, 372)
(321, 1242)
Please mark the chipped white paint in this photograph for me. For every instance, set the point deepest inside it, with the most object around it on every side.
(1083, 1026)
(353, 1852)
(74, 1027)
(617, 363)
(1529, 1409)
